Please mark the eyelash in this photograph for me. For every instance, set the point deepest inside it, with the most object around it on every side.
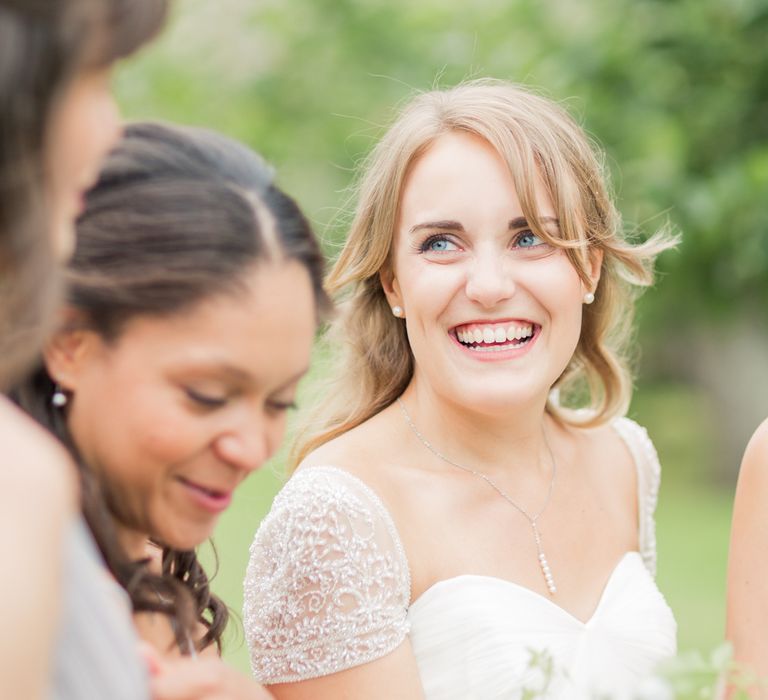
(209, 402)
(424, 247)
(281, 406)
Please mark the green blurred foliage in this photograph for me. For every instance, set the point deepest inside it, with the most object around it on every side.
(675, 90)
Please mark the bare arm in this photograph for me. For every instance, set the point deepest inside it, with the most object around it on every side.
(748, 561)
(37, 504)
(392, 676)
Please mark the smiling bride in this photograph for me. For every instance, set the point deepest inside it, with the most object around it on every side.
(473, 515)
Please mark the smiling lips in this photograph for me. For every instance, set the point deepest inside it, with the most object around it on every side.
(494, 337)
(209, 499)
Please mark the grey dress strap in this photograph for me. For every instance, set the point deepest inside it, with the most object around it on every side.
(96, 651)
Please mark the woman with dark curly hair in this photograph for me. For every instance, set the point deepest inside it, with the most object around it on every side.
(194, 294)
(57, 121)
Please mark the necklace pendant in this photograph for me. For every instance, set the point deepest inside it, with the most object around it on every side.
(547, 573)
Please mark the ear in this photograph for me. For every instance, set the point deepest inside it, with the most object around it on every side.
(67, 354)
(595, 268)
(391, 286)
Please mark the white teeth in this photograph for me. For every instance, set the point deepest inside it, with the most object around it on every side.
(489, 335)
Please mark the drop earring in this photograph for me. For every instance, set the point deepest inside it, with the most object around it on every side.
(397, 311)
(59, 398)
(589, 298)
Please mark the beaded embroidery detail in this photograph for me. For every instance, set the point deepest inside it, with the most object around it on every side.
(327, 586)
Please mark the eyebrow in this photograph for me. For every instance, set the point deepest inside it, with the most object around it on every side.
(514, 224)
(237, 375)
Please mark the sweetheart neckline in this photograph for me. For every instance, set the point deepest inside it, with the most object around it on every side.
(535, 594)
(396, 537)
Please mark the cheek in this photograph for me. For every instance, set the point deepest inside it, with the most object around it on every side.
(429, 289)
(275, 433)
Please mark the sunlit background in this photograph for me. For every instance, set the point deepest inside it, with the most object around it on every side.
(676, 91)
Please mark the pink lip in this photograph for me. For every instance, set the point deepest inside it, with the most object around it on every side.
(207, 499)
(500, 355)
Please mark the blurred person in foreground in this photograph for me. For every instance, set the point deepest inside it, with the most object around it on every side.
(193, 298)
(456, 528)
(747, 608)
(57, 121)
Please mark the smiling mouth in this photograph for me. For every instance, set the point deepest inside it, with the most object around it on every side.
(494, 337)
(207, 492)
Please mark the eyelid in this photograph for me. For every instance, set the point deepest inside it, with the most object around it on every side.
(282, 405)
(205, 400)
(423, 247)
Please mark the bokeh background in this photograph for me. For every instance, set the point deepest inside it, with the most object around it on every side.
(676, 92)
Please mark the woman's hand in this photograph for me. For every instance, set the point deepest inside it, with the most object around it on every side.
(199, 679)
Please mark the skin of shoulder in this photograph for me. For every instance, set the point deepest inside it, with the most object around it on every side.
(38, 498)
(747, 599)
(362, 451)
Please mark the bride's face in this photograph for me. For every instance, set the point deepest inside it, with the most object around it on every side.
(493, 312)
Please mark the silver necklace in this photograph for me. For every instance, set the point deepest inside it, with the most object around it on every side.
(532, 519)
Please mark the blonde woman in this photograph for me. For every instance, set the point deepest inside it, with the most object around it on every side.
(453, 531)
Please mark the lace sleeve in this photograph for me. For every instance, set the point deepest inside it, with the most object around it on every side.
(648, 480)
(327, 586)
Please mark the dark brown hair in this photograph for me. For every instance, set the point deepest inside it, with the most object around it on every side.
(178, 215)
(43, 45)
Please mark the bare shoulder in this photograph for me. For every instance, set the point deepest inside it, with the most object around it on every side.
(603, 444)
(362, 450)
(602, 455)
(34, 462)
(754, 466)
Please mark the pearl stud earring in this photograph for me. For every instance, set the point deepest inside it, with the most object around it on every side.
(589, 298)
(59, 398)
(397, 311)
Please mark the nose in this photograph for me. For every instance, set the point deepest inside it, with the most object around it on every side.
(489, 278)
(246, 448)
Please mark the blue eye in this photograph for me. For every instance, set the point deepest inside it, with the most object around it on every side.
(438, 244)
(528, 239)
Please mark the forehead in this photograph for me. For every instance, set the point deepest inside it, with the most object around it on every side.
(264, 328)
(460, 174)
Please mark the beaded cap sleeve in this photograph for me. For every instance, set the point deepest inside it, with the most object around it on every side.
(327, 586)
(648, 479)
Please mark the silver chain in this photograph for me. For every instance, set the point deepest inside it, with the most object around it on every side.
(532, 519)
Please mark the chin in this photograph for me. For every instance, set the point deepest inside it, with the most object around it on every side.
(187, 536)
(497, 397)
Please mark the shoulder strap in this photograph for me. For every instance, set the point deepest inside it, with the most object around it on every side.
(648, 479)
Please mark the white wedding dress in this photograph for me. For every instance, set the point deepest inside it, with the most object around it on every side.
(328, 588)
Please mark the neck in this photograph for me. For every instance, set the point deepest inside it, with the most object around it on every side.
(498, 442)
(134, 543)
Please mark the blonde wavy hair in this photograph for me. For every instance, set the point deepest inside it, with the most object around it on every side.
(372, 357)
